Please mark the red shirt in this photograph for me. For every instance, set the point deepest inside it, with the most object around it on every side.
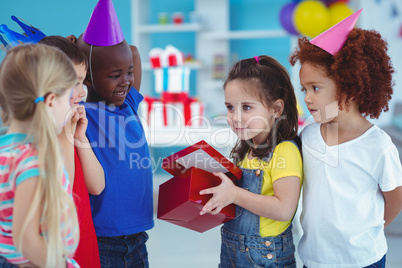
(87, 253)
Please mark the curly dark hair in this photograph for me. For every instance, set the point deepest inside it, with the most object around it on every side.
(362, 69)
(272, 83)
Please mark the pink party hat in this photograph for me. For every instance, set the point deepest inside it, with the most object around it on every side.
(103, 28)
(333, 39)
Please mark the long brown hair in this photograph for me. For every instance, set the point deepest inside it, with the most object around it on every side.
(273, 83)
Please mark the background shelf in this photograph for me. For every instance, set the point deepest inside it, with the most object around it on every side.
(168, 28)
(256, 34)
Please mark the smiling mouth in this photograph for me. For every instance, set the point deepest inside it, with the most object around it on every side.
(120, 94)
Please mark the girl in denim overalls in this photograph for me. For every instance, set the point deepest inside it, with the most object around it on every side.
(262, 111)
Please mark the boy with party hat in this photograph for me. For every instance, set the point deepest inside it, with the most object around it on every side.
(123, 212)
(353, 175)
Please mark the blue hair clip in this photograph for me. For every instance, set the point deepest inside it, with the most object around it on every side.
(39, 99)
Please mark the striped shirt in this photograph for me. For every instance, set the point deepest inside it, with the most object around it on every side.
(18, 162)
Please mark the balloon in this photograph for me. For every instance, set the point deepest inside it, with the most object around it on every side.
(337, 12)
(311, 18)
(329, 2)
(286, 18)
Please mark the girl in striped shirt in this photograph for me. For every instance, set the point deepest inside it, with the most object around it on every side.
(38, 222)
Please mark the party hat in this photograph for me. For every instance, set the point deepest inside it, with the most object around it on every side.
(33, 35)
(103, 28)
(12, 36)
(4, 45)
(333, 39)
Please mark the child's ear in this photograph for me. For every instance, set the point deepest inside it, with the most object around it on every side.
(49, 99)
(278, 107)
(87, 80)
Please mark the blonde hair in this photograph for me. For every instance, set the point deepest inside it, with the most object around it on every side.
(28, 72)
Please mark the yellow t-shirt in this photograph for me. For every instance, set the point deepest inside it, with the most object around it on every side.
(286, 161)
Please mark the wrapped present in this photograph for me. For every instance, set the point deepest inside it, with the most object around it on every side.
(169, 73)
(168, 57)
(172, 110)
(172, 79)
(191, 107)
(155, 58)
(160, 114)
(179, 200)
(147, 109)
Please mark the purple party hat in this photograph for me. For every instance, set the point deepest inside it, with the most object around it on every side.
(333, 39)
(103, 28)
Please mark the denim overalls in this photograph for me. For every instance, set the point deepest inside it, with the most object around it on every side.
(242, 245)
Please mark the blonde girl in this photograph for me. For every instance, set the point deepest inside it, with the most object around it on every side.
(37, 214)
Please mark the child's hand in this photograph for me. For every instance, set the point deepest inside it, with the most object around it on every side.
(71, 123)
(81, 123)
(223, 195)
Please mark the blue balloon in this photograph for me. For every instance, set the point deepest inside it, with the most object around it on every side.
(286, 18)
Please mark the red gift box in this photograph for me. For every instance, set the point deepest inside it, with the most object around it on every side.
(179, 200)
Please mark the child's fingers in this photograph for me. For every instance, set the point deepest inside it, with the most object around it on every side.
(207, 208)
(216, 210)
(74, 117)
(215, 204)
(221, 175)
(81, 110)
(207, 191)
(211, 207)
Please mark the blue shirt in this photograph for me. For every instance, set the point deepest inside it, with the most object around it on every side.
(118, 140)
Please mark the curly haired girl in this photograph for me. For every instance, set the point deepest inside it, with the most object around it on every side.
(353, 175)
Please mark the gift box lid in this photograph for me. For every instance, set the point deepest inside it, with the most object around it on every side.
(203, 156)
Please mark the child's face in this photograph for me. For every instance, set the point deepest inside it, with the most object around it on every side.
(79, 91)
(112, 73)
(320, 93)
(60, 108)
(246, 114)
